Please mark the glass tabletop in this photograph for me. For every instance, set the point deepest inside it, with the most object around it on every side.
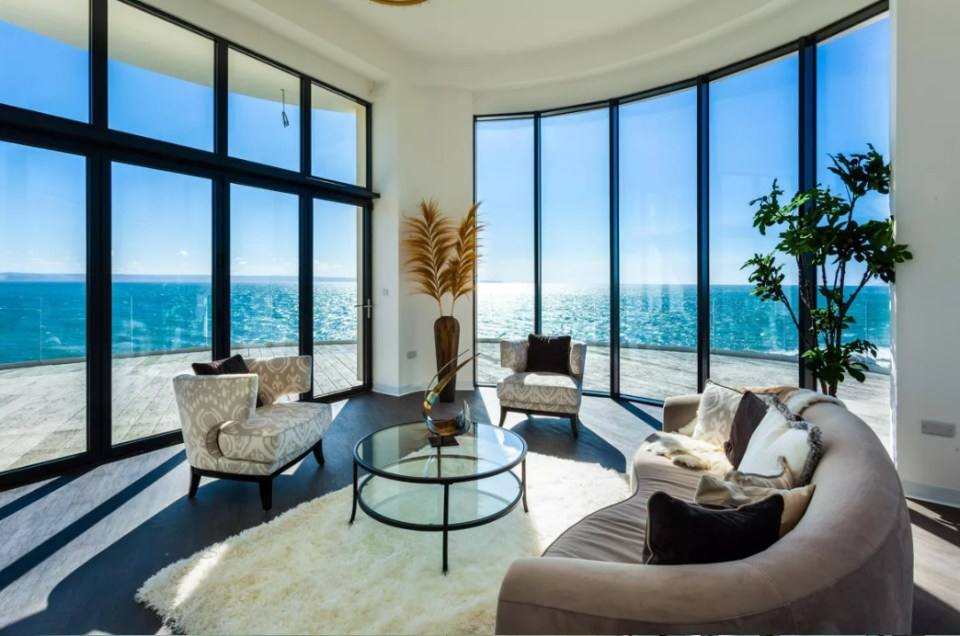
(403, 452)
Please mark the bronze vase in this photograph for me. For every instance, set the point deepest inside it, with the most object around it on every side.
(446, 337)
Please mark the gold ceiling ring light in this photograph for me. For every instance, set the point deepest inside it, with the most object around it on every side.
(399, 3)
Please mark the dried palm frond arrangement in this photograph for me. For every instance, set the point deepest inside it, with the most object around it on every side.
(440, 255)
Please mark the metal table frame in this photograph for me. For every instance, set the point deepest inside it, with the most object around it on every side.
(446, 527)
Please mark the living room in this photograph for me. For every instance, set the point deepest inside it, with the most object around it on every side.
(450, 316)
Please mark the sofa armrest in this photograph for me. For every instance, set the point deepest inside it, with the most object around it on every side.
(551, 595)
(513, 354)
(205, 402)
(282, 376)
(678, 411)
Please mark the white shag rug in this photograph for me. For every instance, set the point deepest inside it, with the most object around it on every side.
(310, 572)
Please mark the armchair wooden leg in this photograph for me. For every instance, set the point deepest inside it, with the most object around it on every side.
(194, 482)
(503, 415)
(266, 493)
(573, 425)
(318, 453)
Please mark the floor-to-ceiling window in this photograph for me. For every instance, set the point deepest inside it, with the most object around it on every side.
(264, 268)
(754, 117)
(144, 225)
(658, 245)
(853, 109)
(575, 235)
(161, 293)
(505, 287)
(43, 313)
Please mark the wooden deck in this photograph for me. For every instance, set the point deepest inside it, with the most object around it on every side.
(43, 412)
(659, 374)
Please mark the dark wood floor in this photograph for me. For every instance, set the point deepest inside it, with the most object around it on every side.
(75, 549)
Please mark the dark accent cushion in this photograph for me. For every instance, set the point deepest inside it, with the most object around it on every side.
(679, 532)
(228, 366)
(549, 354)
(749, 414)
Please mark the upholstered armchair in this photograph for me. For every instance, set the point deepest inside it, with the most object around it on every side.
(228, 436)
(541, 393)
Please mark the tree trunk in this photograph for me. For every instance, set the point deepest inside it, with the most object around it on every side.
(446, 336)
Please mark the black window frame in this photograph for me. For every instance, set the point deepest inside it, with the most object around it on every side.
(805, 48)
(101, 146)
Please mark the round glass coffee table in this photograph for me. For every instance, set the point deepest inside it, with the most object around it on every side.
(412, 485)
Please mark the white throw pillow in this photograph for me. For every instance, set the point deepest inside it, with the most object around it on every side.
(778, 442)
(718, 405)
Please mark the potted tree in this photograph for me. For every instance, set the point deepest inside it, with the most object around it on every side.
(441, 259)
(820, 234)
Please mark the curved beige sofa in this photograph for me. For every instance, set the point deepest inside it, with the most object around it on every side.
(846, 568)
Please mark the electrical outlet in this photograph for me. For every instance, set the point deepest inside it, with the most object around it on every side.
(411, 355)
(942, 429)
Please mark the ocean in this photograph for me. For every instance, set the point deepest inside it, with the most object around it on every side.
(46, 320)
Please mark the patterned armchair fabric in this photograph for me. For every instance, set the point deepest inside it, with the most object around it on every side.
(536, 391)
(205, 402)
(224, 431)
(513, 356)
(282, 376)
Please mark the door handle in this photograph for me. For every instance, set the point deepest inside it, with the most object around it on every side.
(368, 306)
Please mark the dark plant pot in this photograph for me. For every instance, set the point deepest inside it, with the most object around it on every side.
(446, 338)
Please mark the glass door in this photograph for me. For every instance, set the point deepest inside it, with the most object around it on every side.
(340, 307)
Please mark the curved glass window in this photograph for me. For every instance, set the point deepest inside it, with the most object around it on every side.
(658, 246)
(853, 109)
(575, 235)
(505, 286)
(754, 117)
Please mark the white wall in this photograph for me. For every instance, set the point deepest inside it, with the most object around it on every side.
(423, 140)
(926, 158)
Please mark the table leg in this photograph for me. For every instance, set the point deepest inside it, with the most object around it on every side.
(353, 515)
(446, 522)
(523, 483)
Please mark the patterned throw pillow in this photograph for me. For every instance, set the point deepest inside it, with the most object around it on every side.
(718, 405)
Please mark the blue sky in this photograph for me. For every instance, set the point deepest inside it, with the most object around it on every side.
(162, 223)
(161, 220)
(753, 139)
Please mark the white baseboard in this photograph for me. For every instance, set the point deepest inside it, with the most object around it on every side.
(933, 494)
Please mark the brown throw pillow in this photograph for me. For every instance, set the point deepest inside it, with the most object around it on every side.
(679, 532)
(233, 365)
(750, 413)
(550, 354)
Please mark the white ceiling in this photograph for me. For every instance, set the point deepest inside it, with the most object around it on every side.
(477, 28)
(522, 54)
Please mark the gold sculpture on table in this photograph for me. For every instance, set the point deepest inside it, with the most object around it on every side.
(447, 429)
